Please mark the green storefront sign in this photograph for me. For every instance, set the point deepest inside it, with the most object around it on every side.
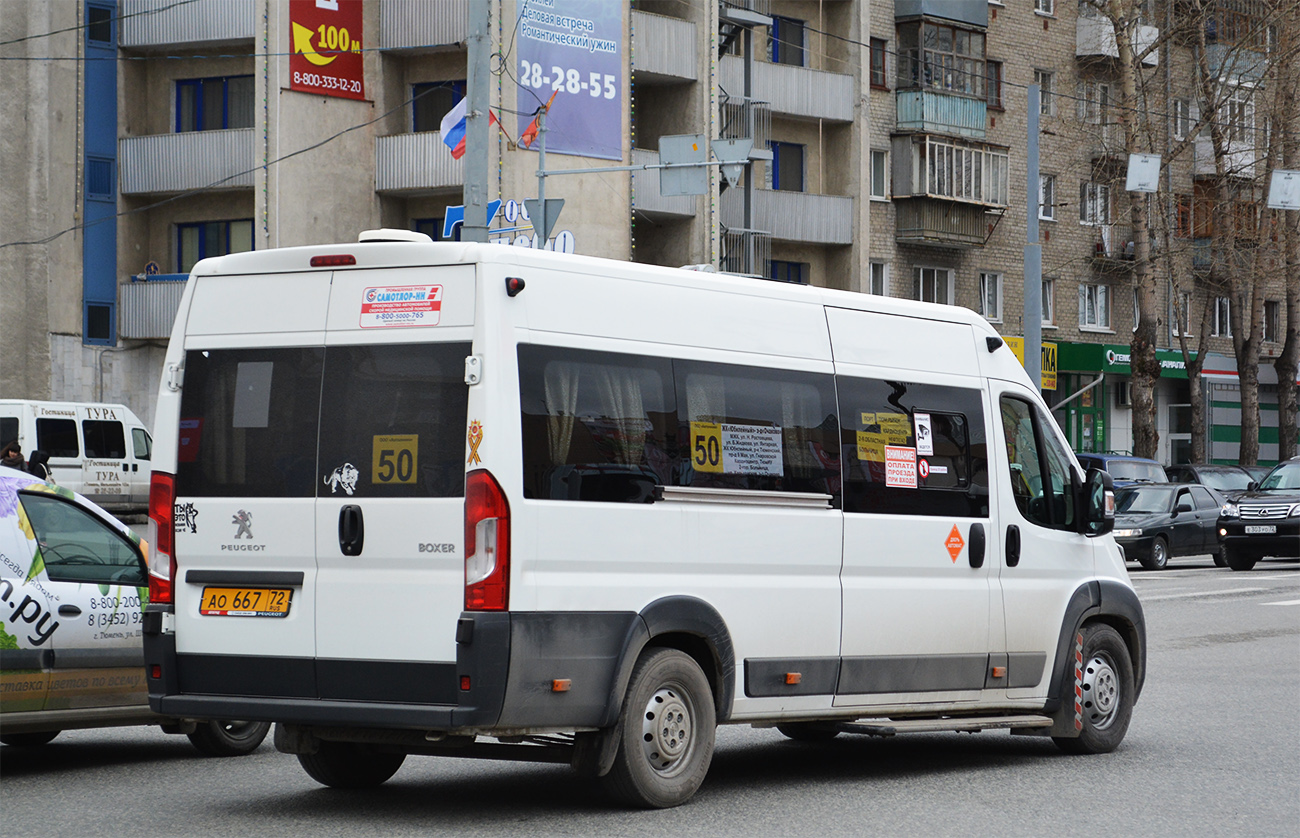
(1114, 359)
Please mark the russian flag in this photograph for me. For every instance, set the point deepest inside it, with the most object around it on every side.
(453, 128)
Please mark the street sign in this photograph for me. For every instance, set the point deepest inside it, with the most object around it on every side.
(734, 156)
(683, 148)
(1143, 173)
(553, 207)
(1284, 190)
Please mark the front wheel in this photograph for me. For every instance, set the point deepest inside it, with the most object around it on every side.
(1238, 560)
(1104, 690)
(229, 739)
(1158, 558)
(1220, 557)
(351, 765)
(666, 732)
(28, 740)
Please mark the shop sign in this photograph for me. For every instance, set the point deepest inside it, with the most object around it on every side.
(325, 48)
(1049, 356)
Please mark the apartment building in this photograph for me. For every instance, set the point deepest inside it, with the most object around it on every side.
(888, 157)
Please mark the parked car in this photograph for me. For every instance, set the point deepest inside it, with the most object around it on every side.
(1229, 481)
(1157, 521)
(1124, 469)
(1264, 521)
(73, 585)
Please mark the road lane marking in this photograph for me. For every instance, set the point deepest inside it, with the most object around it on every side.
(1202, 594)
(1288, 602)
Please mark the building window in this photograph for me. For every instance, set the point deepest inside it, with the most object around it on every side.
(1183, 223)
(1094, 203)
(1045, 7)
(994, 84)
(1094, 102)
(1094, 306)
(214, 104)
(99, 24)
(932, 285)
(1182, 119)
(1049, 306)
(430, 102)
(432, 227)
(1043, 79)
(211, 238)
(787, 166)
(1137, 310)
(1240, 114)
(1181, 315)
(1047, 197)
(1222, 327)
(878, 77)
(944, 57)
(879, 279)
(785, 41)
(880, 175)
(795, 272)
(1272, 321)
(991, 296)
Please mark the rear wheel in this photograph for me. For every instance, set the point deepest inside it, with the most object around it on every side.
(809, 731)
(28, 740)
(229, 739)
(351, 765)
(1238, 560)
(1107, 690)
(666, 736)
(1158, 558)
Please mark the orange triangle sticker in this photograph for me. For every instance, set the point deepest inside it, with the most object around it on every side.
(954, 544)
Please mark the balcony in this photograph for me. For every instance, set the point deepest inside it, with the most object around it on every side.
(793, 91)
(1238, 160)
(421, 26)
(927, 166)
(926, 221)
(1236, 62)
(663, 48)
(792, 216)
(1113, 248)
(1218, 263)
(157, 24)
(147, 310)
(647, 199)
(161, 163)
(1095, 37)
(414, 163)
(934, 112)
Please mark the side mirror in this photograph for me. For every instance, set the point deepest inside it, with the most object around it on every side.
(1098, 503)
(1183, 506)
(1252, 486)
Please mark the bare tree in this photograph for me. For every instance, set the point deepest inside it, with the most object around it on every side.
(1288, 129)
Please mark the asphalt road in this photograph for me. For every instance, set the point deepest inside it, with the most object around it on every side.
(1214, 749)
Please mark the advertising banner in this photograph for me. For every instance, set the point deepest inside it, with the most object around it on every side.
(1047, 369)
(572, 49)
(325, 48)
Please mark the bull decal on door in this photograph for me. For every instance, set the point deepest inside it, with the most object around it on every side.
(344, 476)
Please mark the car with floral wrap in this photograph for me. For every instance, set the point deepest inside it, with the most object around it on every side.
(73, 588)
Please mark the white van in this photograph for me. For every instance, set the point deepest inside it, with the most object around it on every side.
(100, 450)
(460, 499)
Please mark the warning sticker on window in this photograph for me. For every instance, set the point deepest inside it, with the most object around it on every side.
(900, 466)
(401, 305)
(723, 448)
(924, 436)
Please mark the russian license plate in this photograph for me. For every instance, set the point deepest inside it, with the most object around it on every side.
(245, 602)
(1262, 530)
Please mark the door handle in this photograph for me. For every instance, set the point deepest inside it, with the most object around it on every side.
(352, 530)
(1013, 545)
(976, 552)
(69, 611)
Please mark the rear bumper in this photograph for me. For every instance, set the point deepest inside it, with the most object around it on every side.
(503, 678)
(1284, 543)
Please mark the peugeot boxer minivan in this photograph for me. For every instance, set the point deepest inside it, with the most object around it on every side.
(458, 499)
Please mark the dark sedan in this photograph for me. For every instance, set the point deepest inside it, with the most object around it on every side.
(1229, 481)
(1264, 521)
(1156, 521)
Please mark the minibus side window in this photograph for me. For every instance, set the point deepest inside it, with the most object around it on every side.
(104, 439)
(249, 420)
(8, 429)
(913, 449)
(597, 426)
(758, 429)
(141, 444)
(397, 415)
(57, 437)
(1039, 466)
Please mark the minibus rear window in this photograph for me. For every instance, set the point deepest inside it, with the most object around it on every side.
(58, 437)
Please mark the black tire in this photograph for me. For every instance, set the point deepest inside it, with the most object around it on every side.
(1238, 560)
(808, 731)
(1108, 692)
(1220, 557)
(28, 740)
(229, 739)
(350, 765)
(666, 731)
(1158, 557)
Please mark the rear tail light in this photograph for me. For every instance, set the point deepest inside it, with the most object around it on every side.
(487, 544)
(162, 535)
